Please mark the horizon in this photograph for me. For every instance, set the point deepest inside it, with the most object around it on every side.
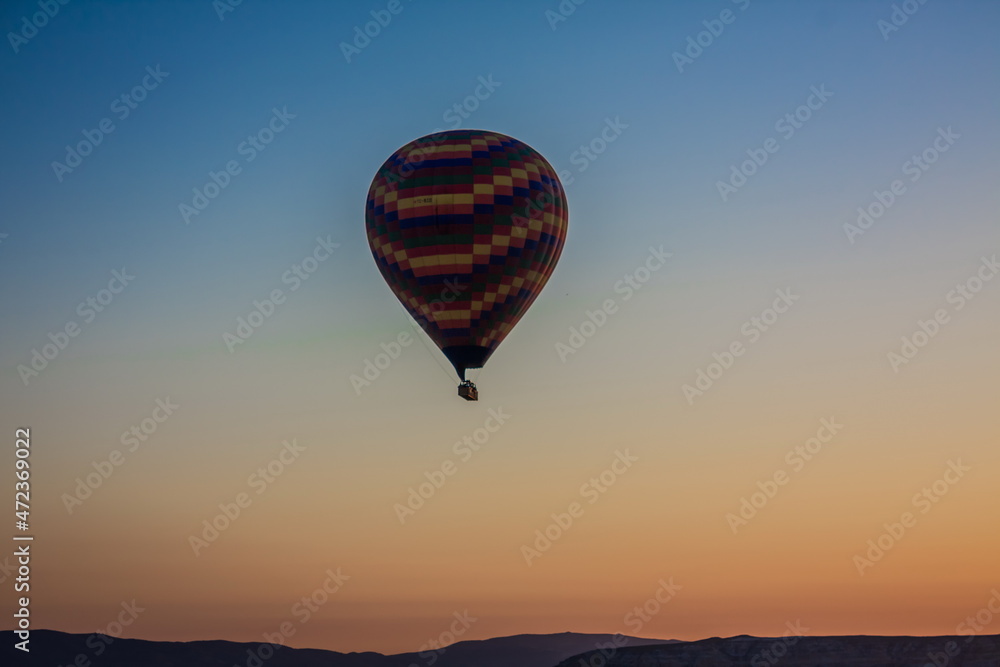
(532, 650)
(757, 389)
(442, 649)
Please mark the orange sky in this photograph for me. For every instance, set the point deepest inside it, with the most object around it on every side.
(664, 517)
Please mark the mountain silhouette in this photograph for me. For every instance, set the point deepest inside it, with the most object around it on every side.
(569, 649)
(856, 651)
(50, 648)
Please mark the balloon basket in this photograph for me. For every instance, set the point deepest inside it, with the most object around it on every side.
(468, 391)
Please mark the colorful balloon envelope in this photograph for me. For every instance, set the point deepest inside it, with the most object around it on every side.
(466, 226)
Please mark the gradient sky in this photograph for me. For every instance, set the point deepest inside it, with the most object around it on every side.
(654, 185)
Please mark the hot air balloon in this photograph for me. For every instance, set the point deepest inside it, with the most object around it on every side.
(466, 226)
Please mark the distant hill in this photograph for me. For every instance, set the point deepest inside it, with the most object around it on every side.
(568, 649)
(744, 651)
(59, 649)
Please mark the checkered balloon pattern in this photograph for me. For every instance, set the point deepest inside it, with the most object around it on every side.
(466, 227)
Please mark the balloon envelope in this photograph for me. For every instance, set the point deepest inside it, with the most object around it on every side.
(466, 227)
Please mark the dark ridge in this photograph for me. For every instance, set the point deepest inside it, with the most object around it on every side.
(840, 651)
(51, 648)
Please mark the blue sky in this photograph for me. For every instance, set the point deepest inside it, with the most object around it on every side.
(557, 87)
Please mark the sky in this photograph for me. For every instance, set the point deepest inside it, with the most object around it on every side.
(759, 388)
